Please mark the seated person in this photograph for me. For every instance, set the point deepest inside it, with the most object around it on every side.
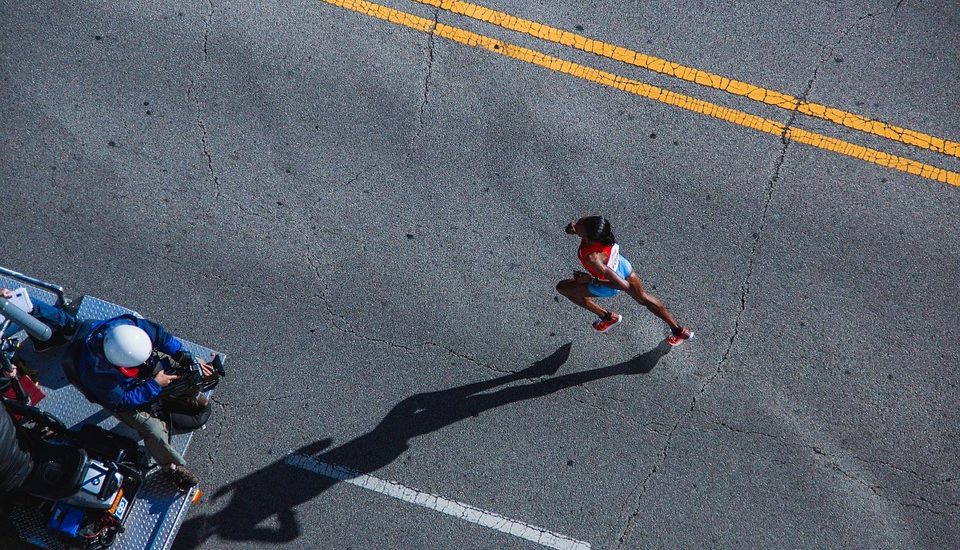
(15, 463)
(116, 363)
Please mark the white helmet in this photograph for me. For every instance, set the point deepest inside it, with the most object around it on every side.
(126, 346)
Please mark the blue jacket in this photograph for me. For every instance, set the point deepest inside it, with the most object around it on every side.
(103, 383)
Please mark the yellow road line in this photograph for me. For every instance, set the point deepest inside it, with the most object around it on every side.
(770, 97)
(646, 90)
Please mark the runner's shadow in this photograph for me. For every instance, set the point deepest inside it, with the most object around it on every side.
(273, 491)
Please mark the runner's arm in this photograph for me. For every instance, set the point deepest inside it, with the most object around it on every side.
(614, 280)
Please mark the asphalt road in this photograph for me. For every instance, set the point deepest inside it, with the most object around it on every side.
(368, 219)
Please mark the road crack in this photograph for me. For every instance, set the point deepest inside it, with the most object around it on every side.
(431, 39)
(826, 460)
(746, 286)
(192, 93)
(621, 539)
(340, 323)
(833, 463)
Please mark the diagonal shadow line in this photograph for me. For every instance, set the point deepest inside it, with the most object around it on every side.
(273, 491)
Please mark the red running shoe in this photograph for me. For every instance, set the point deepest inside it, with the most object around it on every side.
(679, 338)
(606, 323)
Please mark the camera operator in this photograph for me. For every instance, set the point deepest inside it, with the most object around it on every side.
(15, 463)
(117, 366)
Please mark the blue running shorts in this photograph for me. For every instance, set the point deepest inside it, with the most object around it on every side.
(624, 269)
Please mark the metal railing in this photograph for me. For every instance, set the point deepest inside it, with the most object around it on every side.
(56, 289)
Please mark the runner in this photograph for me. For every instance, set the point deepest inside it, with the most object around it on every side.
(608, 274)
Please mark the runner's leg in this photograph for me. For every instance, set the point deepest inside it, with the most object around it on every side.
(649, 301)
(577, 293)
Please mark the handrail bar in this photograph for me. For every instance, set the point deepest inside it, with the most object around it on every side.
(56, 289)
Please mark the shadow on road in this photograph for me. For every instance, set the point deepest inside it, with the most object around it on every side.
(273, 491)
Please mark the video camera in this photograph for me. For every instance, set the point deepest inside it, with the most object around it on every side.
(190, 374)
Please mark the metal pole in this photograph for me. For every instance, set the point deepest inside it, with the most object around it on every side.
(56, 289)
(29, 323)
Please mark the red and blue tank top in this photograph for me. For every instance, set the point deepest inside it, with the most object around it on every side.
(611, 250)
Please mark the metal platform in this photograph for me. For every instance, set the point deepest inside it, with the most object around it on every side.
(159, 509)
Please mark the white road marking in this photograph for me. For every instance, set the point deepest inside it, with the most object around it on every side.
(435, 502)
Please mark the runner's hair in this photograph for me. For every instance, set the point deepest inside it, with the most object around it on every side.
(598, 229)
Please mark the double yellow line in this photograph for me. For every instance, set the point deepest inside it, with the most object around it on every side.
(682, 101)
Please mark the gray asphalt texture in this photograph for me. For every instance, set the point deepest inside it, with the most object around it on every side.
(369, 222)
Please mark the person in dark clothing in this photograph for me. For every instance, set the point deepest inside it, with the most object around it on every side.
(15, 463)
(116, 366)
